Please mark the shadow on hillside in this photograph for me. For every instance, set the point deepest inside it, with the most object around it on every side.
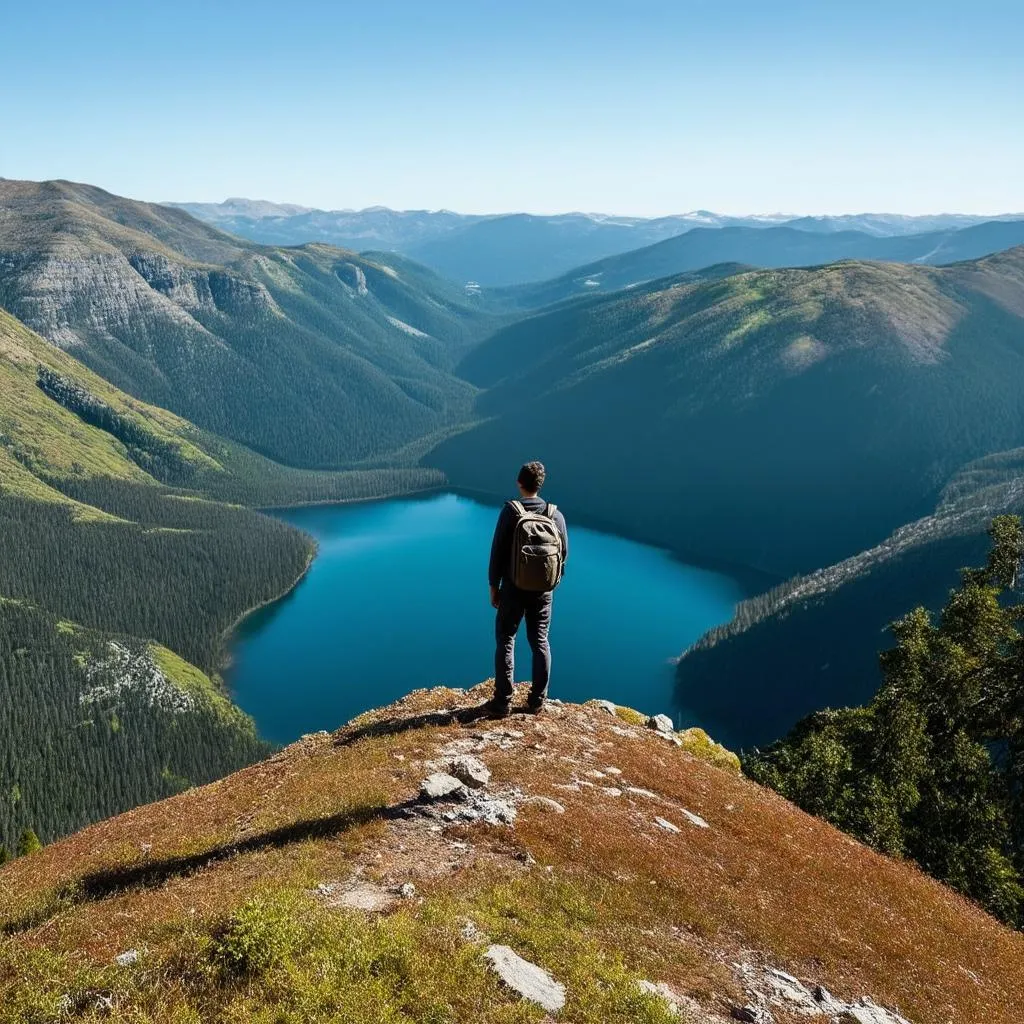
(394, 726)
(151, 874)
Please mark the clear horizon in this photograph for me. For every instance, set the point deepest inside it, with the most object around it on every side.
(906, 107)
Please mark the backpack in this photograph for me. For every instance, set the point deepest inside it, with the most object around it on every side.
(538, 556)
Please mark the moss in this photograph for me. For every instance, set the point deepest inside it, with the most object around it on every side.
(700, 744)
(630, 715)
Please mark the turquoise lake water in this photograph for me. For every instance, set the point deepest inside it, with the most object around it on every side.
(397, 599)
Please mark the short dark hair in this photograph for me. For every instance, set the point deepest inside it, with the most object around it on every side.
(531, 476)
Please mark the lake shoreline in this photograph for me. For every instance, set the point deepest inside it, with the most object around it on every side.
(752, 580)
(307, 657)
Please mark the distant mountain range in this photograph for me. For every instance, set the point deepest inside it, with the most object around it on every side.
(764, 247)
(519, 248)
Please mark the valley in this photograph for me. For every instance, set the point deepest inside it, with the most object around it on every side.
(837, 435)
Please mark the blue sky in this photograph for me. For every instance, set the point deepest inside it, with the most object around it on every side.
(639, 107)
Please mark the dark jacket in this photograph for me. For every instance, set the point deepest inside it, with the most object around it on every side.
(501, 546)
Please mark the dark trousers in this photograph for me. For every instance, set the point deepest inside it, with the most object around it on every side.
(513, 606)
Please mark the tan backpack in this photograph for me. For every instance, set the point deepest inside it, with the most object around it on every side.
(538, 555)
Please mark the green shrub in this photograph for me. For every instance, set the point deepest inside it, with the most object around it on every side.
(258, 936)
(28, 843)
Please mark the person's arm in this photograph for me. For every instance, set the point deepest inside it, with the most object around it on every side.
(562, 529)
(499, 555)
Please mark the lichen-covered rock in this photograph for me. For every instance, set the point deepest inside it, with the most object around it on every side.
(662, 723)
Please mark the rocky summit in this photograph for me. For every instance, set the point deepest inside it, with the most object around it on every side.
(426, 864)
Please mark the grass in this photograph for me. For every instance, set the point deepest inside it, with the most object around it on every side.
(198, 684)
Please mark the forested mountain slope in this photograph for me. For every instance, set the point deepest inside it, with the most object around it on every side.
(815, 639)
(643, 884)
(782, 246)
(110, 543)
(779, 419)
(313, 356)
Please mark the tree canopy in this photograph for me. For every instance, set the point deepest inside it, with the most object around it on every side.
(933, 767)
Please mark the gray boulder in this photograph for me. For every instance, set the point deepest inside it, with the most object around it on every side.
(470, 770)
(662, 723)
(440, 786)
(528, 980)
(867, 1012)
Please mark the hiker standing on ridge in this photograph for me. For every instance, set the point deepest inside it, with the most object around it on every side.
(528, 557)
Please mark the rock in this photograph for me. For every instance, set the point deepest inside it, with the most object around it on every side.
(637, 791)
(752, 1014)
(666, 825)
(407, 891)
(791, 992)
(611, 791)
(496, 812)
(547, 802)
(441, 785)
(827, 1002)
(127, 958)
(695, 819)
(867, 1012)
(604, 705)
(662, 723)
(353, 276)
(611, 770)
(528, 980)
(470, 771)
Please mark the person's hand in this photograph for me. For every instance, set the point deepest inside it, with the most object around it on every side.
(494, 597)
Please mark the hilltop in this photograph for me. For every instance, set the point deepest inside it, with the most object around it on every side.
(635, 868)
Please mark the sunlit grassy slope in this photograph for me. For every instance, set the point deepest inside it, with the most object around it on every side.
(238, 901)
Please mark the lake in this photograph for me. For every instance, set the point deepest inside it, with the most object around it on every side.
(397, 599)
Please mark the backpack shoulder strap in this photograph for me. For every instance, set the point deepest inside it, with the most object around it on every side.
(551, 510)
(517, 507)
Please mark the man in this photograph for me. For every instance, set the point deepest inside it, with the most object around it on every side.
(528, 554)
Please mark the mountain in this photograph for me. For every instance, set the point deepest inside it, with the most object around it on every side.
(314, 356)
(780, 419)
(884, 224)
(324, 884)
(505, 249)
(784, 246)
(121, 575)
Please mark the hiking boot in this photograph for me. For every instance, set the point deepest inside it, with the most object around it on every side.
(496, 709)
(535, 705)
